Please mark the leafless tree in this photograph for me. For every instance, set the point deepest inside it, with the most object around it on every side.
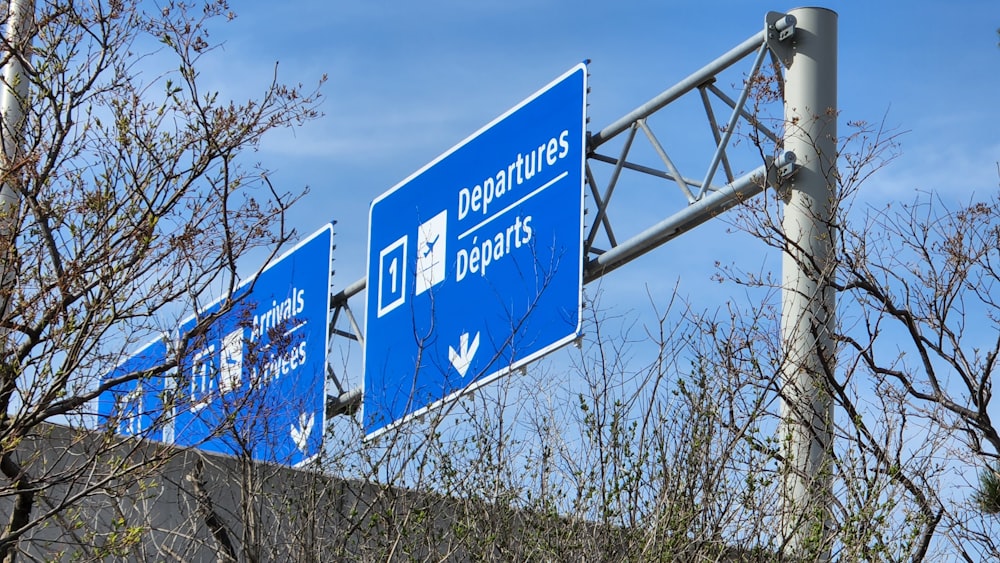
(138, 200)
(660, 442)
(678, 455)
(917, 347)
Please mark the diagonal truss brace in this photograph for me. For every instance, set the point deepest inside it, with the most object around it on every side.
(704, 199)
(705, 208)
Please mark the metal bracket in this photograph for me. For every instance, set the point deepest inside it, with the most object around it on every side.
(788, 168)
(777, 177)
(780, 28)
(346, 403)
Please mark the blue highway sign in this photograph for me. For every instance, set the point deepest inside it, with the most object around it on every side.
(136, 407)
(475, 262)
(254, 381)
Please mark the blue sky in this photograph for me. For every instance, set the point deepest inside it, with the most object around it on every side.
(408, 80)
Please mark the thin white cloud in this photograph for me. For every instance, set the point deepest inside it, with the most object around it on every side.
(954, 171)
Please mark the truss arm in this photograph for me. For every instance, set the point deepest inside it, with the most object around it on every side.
(731, 194)
(688, 84)
(708, 202)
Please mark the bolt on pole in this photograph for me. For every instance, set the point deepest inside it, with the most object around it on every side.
(808, 316)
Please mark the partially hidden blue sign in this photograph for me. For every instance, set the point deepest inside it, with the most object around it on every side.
(136, 406)
(250, 383)
(475, 262)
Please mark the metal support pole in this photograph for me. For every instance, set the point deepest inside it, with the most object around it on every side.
(14, 92)
(808, 316)
(13, 97)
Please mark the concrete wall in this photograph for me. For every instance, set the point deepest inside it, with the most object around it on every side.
(107, 499)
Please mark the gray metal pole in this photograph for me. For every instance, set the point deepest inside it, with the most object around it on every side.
(808, 316)
(13, 96)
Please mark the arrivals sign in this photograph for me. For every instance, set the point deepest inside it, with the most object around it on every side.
(253, 382)
(475, 262)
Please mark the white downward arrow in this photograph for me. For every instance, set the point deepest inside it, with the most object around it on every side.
(463, 357)
(301, 434)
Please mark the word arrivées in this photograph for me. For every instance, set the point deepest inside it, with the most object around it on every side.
(278, 362)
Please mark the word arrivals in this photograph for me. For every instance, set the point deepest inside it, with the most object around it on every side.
(293, 305)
